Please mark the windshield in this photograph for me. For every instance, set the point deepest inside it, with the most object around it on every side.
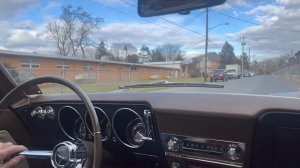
(103, 44)
(218, 71)
(231, 71)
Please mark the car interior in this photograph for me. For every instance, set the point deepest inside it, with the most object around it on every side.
(176, 130)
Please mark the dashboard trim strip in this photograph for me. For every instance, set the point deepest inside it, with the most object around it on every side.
(183, 156)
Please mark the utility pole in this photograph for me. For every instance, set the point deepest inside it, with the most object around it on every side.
(249, 52)
(243, 45)
(206, 47)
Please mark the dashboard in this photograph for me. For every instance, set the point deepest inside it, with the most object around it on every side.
(164, 132)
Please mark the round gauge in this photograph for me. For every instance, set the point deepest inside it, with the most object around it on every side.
(71, 123)
(79, 129)
(103, 121)
(135, 132)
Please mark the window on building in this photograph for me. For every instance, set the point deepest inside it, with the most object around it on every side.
(133, 68)
(63, 65)
(29, 63)
(88, 67)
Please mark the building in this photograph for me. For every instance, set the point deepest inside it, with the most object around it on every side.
(29, 65)
(213, 62)
(180, 66)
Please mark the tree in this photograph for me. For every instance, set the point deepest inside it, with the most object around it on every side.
(101, 50)
(194, 66)
(246, 59)
(227, 55)
(156, 55)
(71, 32)
(122, 50)
(172, 52)
(145, 53)
(134, 58)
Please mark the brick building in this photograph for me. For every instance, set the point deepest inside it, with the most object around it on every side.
(213, 62)
(29, 65)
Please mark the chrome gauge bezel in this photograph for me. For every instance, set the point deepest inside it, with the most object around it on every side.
(60, 122)
(129, 133)
(114, 129)
(97, 109)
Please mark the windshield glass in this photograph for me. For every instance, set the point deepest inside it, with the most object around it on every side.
(102, 44)
(231, 71)
(218, 71)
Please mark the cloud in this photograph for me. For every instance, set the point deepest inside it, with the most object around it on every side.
(11, 8)
(278, 32)
(289, 3)
(266, 10)
(151, 35)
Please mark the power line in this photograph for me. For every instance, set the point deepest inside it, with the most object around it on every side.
(171, 22)
(125, 13)
(252, 23)
(168, 34)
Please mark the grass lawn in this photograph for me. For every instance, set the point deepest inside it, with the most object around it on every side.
(111, 86)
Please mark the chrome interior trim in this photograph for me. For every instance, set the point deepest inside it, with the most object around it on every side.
(88, 128)
(205, 160)
(113, 128)
(59, 121)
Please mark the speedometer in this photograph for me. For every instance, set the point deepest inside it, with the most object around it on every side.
(103, 121)
(79, 129)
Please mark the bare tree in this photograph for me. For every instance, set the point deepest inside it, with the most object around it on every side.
(71, 32)
(121, 50)
(172, 52)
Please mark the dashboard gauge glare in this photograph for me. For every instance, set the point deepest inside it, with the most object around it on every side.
(79, 129)
(104, 124)
(135, 132)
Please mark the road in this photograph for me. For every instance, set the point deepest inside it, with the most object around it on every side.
(262, 85)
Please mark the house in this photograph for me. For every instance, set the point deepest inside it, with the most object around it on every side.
(213, 62)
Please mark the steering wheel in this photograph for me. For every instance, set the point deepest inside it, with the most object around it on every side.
(67, 149)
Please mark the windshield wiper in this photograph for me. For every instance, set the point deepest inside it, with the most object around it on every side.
(170, 84)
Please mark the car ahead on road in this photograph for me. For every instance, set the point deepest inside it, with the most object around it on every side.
(219, 74)
(246, 74)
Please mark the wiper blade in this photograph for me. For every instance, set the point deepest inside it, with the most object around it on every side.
(170, 84)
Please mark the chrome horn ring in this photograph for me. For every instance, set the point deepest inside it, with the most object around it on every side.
(69, 155)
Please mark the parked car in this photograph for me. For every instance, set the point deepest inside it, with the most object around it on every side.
(219, 74)
(246, 74)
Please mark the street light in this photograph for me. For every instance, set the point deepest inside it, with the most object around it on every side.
(206, 42)
(221, 24)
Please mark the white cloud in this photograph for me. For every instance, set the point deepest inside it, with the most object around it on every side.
(267, 10)
(151, 35)
(289, 3)
(11, 8)
(47, 9)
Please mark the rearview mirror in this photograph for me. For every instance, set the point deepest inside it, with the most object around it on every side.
(148, 8)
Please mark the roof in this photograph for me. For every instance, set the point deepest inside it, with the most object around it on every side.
(39, 56)
(165, 63)
(212, 56)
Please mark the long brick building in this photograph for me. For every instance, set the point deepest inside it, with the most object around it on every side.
(30, 65)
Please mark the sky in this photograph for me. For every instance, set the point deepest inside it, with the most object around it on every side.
(271, 27)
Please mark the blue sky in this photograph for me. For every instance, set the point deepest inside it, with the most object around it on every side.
(273, 33)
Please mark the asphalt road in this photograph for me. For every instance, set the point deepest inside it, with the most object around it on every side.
(262, 85)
